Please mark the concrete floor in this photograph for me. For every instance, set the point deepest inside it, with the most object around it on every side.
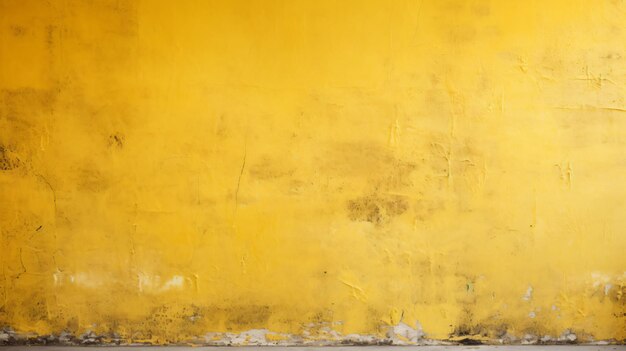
(332, 348)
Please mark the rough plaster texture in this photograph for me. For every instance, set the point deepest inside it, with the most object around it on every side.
(312, 171)
(370, 348)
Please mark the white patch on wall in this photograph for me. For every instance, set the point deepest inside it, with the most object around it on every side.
(599, 279)
(176, 282)
(144, 281)
(404, 334)
(83, 279)
(152, 283)
(529, 294)
(88, 280)
(57, 278)
(604, 281)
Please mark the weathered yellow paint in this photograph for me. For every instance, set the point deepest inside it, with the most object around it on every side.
(172, 168)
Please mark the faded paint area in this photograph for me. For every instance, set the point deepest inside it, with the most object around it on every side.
(296, 171)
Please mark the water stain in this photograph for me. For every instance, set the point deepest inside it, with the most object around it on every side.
(91, 179)
(248, 316)
(271, 169)
(18, 31)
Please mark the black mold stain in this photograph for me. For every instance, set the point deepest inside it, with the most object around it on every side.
(65, 338)
(466, 330)
(192, 318)
(468, 341)
(470, 332)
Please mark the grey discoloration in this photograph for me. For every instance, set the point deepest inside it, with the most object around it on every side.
(399, 335)
(372, 348)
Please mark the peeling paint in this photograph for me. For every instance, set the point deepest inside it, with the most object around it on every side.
(404, 334)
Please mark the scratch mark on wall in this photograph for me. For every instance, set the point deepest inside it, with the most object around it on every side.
(243, 166)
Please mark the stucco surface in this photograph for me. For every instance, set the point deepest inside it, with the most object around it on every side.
(313, 171)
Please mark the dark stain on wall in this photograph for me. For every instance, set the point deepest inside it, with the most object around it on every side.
(7, 161)
(248, 316)
(376, 209)
(116, 140)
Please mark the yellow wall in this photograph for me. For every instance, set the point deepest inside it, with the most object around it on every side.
(316, 168)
